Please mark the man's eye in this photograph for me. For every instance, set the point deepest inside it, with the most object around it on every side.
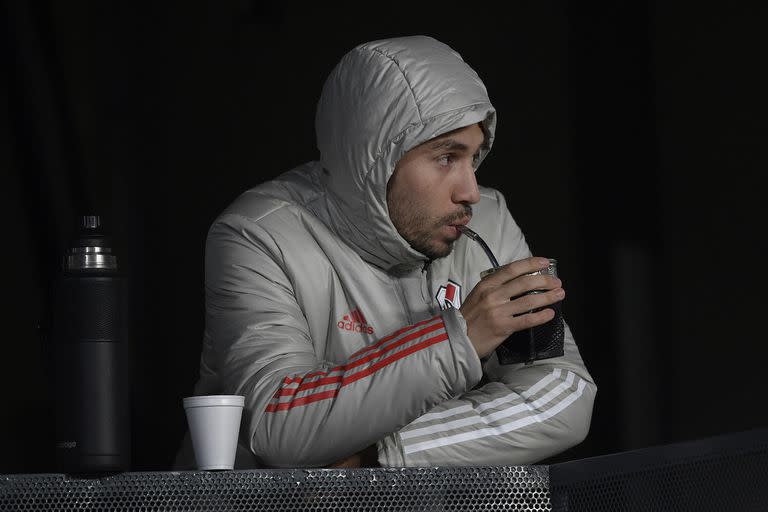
(445, 160)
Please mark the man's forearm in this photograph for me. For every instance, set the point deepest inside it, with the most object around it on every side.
(528, 414)
(317, 418)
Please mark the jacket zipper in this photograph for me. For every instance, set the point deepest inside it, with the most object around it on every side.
(426, 285)
(402, 299)
(424, 281)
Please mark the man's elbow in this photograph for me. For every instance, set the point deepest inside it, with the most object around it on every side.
(282, 452)
(580, 418)
(275, 454)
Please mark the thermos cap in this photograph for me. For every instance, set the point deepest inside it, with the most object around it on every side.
(90, 222)
(91, 250)
(85, 259)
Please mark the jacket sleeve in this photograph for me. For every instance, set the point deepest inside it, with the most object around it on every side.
(526, 413)
(302, 411)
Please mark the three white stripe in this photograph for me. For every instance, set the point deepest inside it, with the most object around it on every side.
(493, 403)
(484, 419)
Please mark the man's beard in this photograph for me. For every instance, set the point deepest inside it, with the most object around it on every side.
(420, 232)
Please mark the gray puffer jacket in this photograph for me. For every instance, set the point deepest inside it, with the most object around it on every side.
(328, 322)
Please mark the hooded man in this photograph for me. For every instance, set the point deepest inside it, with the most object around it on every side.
(336, 294)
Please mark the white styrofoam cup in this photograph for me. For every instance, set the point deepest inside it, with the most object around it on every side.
(214, 425)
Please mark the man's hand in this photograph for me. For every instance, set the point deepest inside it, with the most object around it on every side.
(496, 307)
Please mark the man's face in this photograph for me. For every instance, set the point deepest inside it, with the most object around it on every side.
(432, 189)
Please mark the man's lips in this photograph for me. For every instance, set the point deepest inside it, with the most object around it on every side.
(455, 232)
(462, 222)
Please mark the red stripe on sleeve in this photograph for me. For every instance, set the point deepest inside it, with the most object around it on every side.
(394, 335)
(315, 397)
(301, 378)
(338, 378)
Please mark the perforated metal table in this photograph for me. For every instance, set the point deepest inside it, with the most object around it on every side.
(725, 473)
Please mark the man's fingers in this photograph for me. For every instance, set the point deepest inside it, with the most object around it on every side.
(526, 320)
(529, 320)
(526, 284)
(527, 303)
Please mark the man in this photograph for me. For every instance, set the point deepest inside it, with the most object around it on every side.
(336, 294)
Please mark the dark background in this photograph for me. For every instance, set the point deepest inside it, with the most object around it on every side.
(632, 145)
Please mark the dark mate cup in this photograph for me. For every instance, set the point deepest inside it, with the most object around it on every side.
(540, 342)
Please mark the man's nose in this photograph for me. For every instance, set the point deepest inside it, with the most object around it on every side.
(466, 190)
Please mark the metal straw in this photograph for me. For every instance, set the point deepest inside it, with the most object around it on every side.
(464, 230)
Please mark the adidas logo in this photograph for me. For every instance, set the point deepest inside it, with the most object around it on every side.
(355, 322)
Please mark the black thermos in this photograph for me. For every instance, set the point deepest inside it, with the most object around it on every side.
(90, 350)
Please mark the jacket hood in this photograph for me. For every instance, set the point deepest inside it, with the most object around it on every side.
(382, 99)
